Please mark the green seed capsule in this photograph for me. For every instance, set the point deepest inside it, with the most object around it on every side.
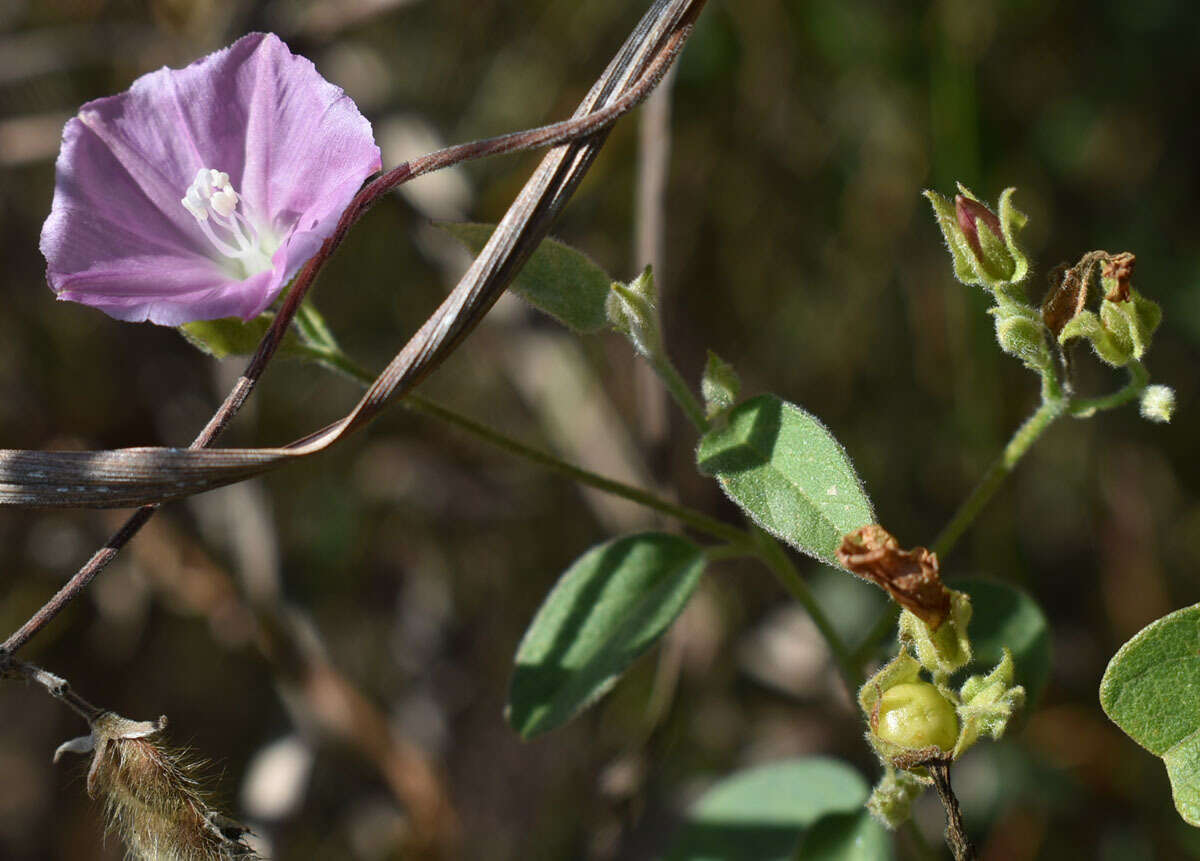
(916, 715)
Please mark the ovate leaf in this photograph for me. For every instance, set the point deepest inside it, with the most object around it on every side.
(557, 279)
(1006, 617)
(611, 605)
(761, 814)
(788, 473)
(1151, 690)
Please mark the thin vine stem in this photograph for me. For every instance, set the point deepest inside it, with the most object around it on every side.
(680, 392)
(1027, 434)
(1139, 377)
(335, 359)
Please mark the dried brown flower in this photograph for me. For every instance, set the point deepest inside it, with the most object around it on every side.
(1119, 268)
(1067, 297)
(909, 576)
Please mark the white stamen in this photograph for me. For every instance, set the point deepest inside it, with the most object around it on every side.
(212, 200)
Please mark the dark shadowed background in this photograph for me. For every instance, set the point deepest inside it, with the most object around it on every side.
(337, 639)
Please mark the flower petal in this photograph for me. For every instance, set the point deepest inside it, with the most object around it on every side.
(118, 238)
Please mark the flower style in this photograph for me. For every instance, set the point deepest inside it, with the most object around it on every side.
(200, 192)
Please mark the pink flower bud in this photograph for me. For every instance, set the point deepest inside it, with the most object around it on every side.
(968, 212)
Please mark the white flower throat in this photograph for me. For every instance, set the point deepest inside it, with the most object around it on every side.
(213, 202)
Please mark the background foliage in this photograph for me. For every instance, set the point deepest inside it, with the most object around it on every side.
(797, 246)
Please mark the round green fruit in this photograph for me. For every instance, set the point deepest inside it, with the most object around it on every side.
(916, 715)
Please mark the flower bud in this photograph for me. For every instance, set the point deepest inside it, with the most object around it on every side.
(1021, 333)
(970, 214)
(982, 242)
(633, 309)
(915, 715)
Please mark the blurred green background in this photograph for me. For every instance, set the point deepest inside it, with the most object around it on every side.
(337, 639)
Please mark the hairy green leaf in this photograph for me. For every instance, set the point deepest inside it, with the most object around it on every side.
(788, 473)
(1150, 691)
(611, 605)
(557, 279)
(761, 814)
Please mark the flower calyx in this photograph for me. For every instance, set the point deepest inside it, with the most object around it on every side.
(982, 243)
(720, 387)
(1122, 330)
(632, 309)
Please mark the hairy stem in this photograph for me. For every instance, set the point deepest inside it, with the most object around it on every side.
(680, 392)
(1026, 436)
(337, 360)
(956, 833)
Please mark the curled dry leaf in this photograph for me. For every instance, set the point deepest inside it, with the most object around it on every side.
(909, 576)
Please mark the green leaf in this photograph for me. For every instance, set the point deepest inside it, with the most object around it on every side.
(760, 814)
(1149, 690)
(847, 837)
(557, 279)
(1004, 616)
(611, 605)
(789, 474)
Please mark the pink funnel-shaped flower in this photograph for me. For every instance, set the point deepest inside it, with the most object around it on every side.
(200, 192)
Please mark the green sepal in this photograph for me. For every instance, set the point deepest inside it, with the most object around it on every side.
(960, 252)
(720, 386)
(987, 704)
(892, 798)
(228, 336)
(1011, 221)
(1087, 325)
(945, 650)
(996, 264)
(1022, 334)
(1132, 323)
(1121, 333)
(633, 310)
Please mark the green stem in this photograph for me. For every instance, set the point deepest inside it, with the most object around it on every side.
(691, 517)
(1139, 377)
(774, 557)
(1026, 436)
(338, 361)
(679, 390)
